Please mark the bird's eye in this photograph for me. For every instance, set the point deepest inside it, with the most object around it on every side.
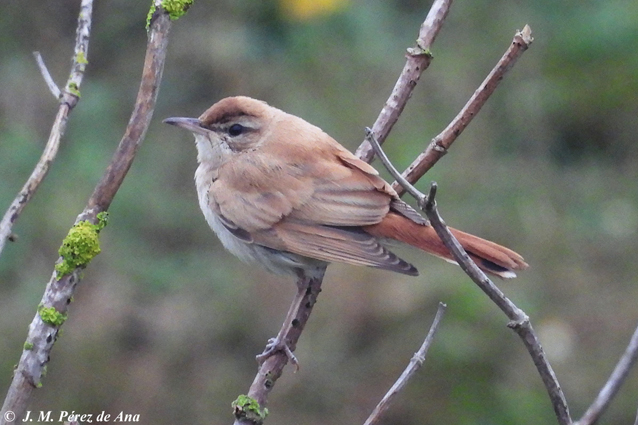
(236, 130)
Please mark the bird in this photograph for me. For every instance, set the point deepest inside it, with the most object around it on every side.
(281, 192)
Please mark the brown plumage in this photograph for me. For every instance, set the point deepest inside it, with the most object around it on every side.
(280, 191)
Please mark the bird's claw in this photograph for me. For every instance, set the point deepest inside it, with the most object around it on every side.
(274, 345)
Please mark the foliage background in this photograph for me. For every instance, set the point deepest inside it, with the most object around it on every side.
(166, 323)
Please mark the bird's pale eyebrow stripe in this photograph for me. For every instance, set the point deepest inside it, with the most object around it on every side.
(230, 116)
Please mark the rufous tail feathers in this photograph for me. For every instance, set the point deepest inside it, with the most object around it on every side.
(489, 256)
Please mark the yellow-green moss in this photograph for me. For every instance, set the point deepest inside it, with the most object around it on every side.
(249, 408)
(51, 316)
(174, 8)
(80, 245)
(102, 220)
(81, 58)
(149, 16)
(73, 89)
(28, 345)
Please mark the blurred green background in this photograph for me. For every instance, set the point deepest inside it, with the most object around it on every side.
(166, 323)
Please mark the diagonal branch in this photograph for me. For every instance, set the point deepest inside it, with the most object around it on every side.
(271, 369)
(52, 311)
(415, 363)
(418, 59)
(441, 143)
(613, 384)
(68, 98)
(519, 321)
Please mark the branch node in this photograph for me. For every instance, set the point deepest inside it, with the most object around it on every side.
(526, 35)
(429, 202)
(438, 146)
(418, 358)
(519, 323)
(419, 50)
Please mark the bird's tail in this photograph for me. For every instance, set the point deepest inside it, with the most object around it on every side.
(489, 256)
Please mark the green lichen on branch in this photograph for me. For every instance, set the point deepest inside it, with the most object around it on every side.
(248, 408)
(80, 245)
(51, 316)
(81, 58)
(73, 89)
(102, 220)
(149, 16)
(28, 346)
(175, 9)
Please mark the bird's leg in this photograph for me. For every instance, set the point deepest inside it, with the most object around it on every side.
(279, 343)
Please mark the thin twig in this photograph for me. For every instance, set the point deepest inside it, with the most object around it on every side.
(441, 143)
(519, 321)
(380, 153)
(415, 363)
(418, 59)
(68, 98)
(58, 293)
(271, 369)
(613, 384)
(53, 88)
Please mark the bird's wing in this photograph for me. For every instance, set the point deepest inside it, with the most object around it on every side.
(311, 204)
(332, 244)
(259, 189)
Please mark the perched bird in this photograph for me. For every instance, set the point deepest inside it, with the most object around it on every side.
(279, 191)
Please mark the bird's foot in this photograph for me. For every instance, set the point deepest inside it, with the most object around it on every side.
(274, 345)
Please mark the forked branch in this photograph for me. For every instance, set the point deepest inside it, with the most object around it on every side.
(59, 291)
(519, 321)
(441, 143)
(67, 98)
(418, 59)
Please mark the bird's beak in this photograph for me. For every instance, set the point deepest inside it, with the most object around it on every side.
(193, 125)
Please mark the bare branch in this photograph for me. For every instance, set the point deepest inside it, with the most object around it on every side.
(418, 59)
(415, 363)
(53, 88)
(613, 384)
(519, 321)
(68, 99)
(272, 367)
(441, 143)
(379, 152)
(58, 293)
